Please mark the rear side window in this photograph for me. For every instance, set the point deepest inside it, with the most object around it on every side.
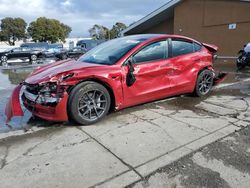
(152, 52)
(180, 47)
(197, 47)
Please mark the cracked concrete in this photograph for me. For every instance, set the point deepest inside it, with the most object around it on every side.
(131, 145)
(224, 163)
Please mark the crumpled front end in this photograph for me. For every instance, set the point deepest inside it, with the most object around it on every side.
(47, 101)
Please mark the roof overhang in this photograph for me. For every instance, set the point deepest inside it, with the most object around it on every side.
(163, 13)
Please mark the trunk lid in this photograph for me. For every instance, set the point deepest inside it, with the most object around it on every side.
(212, 48)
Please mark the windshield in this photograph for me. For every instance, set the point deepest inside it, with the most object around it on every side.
(110, 52)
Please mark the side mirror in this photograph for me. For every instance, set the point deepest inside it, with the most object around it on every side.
(130, 79)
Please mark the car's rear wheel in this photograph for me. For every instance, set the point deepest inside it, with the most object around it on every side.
(88, 103)
(64, 56)
(204, 83)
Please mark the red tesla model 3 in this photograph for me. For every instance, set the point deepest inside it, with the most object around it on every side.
(117, 74)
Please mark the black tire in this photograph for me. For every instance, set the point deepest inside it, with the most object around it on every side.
(4, 59)
(63, 56)
(204, 83)
(33, 58)
(88, 103)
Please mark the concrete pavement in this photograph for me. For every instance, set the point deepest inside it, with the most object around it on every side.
(122, 149)
(224, 163)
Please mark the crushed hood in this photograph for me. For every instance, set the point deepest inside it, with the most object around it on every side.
(45, 73)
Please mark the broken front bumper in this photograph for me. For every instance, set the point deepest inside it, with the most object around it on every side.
(13, 107)
(48, 108)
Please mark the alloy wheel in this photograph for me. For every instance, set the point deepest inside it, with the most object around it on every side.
(92, 105)
(205, 84)
(4, 59)
(33, 58)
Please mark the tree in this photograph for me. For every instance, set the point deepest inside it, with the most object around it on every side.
(99, 32)
(116, 30)
(44, 29)
(12, 29)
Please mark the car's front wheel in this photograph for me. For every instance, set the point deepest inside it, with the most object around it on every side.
(4, 59)
(204, 83)
(88, 103)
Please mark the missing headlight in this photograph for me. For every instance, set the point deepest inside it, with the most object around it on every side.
(48, 89)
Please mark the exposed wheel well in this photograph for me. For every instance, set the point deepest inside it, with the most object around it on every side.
(111, 93)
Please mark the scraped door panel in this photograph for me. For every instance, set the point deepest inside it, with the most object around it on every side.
(185, 66)
(151, 69)
(183, 73)
(152, 82)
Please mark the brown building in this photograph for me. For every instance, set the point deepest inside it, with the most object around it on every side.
(225, 23)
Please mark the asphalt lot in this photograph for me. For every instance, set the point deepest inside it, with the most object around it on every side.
(130, 145)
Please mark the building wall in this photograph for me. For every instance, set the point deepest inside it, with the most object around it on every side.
(162, 28)
(208, 21)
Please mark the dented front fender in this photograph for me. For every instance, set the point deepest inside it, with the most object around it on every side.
(13, 107)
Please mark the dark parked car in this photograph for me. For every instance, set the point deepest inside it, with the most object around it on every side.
(88, 44)
(76, 52)
(19, 53)
(36, 45)
(56, 50)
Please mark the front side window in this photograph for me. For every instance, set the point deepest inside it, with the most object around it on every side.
(25, 49)
(17, 50)
(152, 52)
(180, 47)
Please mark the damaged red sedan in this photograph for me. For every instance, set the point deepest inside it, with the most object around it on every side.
(117, 74)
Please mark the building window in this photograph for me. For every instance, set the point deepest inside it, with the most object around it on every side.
(180, 47)
(152, 52)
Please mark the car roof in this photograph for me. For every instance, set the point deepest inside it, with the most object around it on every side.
(34, 44)
(144, 37)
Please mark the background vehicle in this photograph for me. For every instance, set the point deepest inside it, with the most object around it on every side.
(117, 74)
(88, 44)
(76, 52)
(244, 57)
(36, 45)
(56, 50)
(20, 53)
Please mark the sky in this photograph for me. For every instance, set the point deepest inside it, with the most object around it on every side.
(80, 15)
